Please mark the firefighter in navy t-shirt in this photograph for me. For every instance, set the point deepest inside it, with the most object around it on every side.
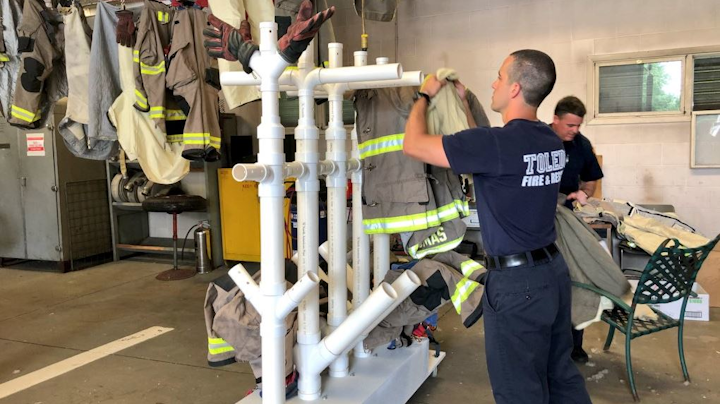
(517, 171)
(580, 176)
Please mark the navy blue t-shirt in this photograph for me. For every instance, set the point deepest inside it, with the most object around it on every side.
(517, 171)
(582, 164)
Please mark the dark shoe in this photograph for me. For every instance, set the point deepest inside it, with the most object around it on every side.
(579, 355)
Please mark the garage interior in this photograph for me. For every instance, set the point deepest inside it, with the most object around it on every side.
(113, 251)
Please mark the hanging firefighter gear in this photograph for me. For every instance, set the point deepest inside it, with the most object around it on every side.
(153, 41)
(188, 77)
(11, 14)
(40, 50)
(159, 155)
(401, 194)
(234, 12)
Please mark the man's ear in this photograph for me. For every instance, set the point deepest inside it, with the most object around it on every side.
(515, 90)
(556, 120)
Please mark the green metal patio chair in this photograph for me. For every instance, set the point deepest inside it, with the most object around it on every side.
(668, 277)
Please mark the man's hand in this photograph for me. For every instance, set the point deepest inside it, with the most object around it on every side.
(431, 85)
(579, 196)
(461, 90)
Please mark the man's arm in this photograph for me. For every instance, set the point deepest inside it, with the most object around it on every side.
(418, 143)
(462, 92)
(588, 187)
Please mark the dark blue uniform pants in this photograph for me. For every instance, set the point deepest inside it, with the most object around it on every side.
(527, 335)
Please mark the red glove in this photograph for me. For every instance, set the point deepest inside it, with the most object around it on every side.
(125, 30)
(302, 31)
(222, 40)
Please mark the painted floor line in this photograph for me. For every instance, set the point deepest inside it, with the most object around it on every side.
(31, 379)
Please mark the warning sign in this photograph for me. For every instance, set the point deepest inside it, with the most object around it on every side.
(35, 144)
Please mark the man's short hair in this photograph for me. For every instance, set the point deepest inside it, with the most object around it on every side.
(535, 72)
(570, 105)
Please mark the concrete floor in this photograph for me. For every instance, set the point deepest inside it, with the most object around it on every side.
(48, 317)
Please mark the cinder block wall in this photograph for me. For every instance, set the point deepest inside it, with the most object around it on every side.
(642, 162)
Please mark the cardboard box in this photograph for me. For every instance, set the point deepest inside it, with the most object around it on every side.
(698, 308)
(709, 275)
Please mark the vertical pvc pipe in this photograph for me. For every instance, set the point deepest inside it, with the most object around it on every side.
(381, 255)
(360, 240)
(308, 187)
(336, 137)
(272, 192)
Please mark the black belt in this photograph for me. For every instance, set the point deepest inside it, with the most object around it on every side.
(529, 258)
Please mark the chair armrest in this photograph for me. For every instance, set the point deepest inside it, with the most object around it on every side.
(616, 300)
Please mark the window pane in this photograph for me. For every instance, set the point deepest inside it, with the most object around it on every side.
(707, 140)
(644, 87)
(706, 90)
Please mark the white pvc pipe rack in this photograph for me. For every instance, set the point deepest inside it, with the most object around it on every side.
(313, 353)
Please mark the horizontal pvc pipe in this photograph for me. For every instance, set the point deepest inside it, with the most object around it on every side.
(247, 285)
(292, 298)
(354, 165)
(340, 340)
(327, 167)
(413, 78)
(253, 79)
(295, 169)
(326, 256)
(354, 74)
(250, 172)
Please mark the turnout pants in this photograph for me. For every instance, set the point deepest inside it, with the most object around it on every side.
(527, 335)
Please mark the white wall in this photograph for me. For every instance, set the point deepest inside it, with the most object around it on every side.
(642, 162)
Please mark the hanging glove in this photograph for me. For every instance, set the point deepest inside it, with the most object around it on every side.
(222, 40)
(125, 31)
(302, 31)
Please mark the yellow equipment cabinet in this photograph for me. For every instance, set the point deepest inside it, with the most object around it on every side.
(240, 218)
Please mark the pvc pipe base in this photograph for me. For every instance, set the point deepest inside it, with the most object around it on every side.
(386, 377)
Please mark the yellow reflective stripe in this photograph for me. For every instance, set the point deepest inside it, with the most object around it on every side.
(157, 112)
(469, 266)
(24, 114)
(218, 345)
(381, 145)
(140, 99)
(175, 115)
(136, 56)
(174, 138)
(418, 221)
(154, 71)
(163, 17)
(140, 96)
(462, 292)
(196, 138)
(450, 245)
(463, 207)
(4, 57)
(151, 69)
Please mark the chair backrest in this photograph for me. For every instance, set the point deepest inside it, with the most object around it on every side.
(671, 271)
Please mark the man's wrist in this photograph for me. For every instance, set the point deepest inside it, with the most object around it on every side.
(584, 192)
(421, 95)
